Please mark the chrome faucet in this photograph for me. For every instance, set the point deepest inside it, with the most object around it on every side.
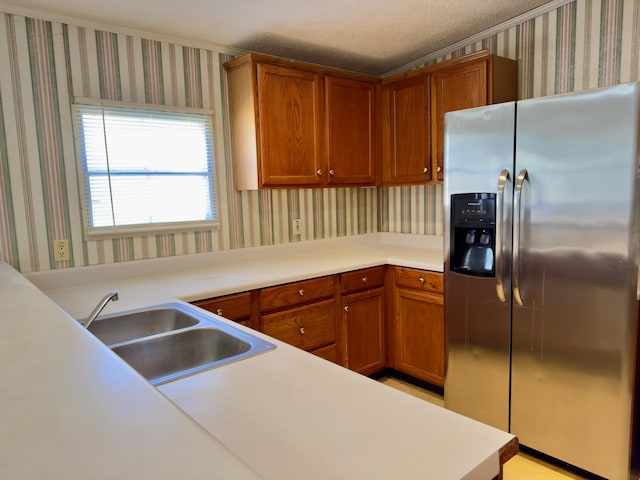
(96, 311)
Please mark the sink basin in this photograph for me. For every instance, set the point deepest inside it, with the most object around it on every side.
(170, 341)
(165, 357)
(128, 326)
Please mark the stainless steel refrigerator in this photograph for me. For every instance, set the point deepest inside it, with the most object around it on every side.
(541, 272)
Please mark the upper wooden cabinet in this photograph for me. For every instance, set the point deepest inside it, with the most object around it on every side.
(300, 125)
(349, 131)
(297, 125)
(289, 128)
(413, 106)
(474, 83)
(406, 133)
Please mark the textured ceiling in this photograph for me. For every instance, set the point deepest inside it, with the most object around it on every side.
(369, 36)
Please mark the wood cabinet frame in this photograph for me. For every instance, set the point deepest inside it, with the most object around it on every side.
(282, 115)
(376, 296)
(467, 81)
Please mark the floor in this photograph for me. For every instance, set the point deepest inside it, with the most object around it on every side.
(520, 467)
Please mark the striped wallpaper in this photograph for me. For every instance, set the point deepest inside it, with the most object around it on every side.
(580, 45)
(44, 65)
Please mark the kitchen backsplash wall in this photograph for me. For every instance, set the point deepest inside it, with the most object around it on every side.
(45, 64)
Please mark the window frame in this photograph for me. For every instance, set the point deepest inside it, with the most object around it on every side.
(110, 232)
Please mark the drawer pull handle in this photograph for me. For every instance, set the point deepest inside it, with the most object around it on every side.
(302, 330)
(425, 170)
(219, 311)
(364, 279)
(421, 280)
(346, 308)
(301, 292)
(319, 172)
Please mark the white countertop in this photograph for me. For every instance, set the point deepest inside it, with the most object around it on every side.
(75, 409)
(197, 277)
(71, 409)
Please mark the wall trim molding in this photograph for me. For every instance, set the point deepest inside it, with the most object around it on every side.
(531, 14)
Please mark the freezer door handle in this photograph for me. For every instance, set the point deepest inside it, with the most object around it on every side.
(502, 182)
(523, 177)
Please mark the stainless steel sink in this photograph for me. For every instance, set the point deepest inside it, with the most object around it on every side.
(137, 324)
(170, 341)
(166, 357)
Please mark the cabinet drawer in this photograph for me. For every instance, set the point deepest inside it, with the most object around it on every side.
(329, 352)
(297, 293)
(307, 327)
(233, 307)
(361, 279)
(418, 279)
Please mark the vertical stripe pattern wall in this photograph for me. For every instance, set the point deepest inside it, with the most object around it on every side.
(581, 45)
(265, 217)
(43, 65)
(48, 64)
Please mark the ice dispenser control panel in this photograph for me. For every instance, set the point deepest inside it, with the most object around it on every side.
(473, 225)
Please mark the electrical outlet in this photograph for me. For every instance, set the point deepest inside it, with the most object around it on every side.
(297, 226)
(61, 250)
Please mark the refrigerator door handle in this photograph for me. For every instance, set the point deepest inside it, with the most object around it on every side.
(523, 177)
(502, 181)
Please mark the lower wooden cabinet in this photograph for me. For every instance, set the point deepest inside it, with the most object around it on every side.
(307, 327)
(302, 314)
(418, 324)
(236, 307)
(365, 320)
(363, 324)
(330, 352)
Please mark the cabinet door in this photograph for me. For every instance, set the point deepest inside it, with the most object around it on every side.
(454, 88)
(406, 148)
(349, 127)
(363, 321)
(290, 126)
(419, 335)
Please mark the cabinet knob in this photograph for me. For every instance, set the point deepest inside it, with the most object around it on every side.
(219, 311)
(346, 308)
(332, 172)
(364, 279)
(302, 330)
(439, 169)
(421, 280)
(425, 170)
(301, 292)
(319, 172)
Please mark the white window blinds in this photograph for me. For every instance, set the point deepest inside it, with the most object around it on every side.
(144, 168)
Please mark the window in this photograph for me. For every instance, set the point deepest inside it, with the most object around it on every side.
(144, 170)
